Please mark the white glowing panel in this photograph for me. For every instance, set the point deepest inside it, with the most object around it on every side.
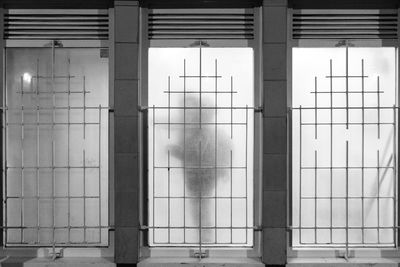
(344, 147)
(200, 146)
(56, 147)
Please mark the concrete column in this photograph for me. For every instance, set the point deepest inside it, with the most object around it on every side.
(126, 172)
(274, 206)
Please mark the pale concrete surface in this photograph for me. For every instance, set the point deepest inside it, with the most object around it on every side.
(340, 262)
(207, 262)
(62, 262)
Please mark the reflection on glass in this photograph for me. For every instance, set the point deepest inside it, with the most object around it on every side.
(344, 167)
(200, 143)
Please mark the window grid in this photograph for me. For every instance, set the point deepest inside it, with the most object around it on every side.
(380, 167)
(199, 168)
(35, 95)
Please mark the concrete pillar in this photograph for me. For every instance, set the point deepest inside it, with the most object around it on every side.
(126, 172)
(274, 206)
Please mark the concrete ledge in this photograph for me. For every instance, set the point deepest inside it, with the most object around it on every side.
(339, 262)
(62, 262)
(193, 262)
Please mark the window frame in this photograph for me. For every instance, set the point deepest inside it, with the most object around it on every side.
(334, 252)
(71, 251)
(256, 44)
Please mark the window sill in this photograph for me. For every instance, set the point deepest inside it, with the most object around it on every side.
(64, 262)
(338, 262)
(206, 262)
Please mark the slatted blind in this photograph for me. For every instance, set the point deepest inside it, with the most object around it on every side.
(56, 24)
(201, 24)
(344, 24)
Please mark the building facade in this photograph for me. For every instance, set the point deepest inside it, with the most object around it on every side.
(208, 133)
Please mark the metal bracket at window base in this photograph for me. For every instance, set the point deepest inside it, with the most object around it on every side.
(256, 109)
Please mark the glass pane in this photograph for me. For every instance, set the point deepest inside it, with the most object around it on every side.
(344, 125)
(201, 146)
(56, 146)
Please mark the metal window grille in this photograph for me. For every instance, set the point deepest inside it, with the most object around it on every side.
(344, 148)
(200, 135)
(55, 145)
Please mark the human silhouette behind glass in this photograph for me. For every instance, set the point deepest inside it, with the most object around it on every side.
(199, 156)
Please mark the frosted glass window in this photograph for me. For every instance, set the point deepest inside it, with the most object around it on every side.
(344, 147)
(201, 146)
(56, 147)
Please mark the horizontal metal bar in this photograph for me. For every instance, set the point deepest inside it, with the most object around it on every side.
(342, 227)
(52, 167)
(344, 76)
(335, 108)
(52, 123)
(198, 92)
(54, 108)
(200, 197)
(344, 92)
(349, 197)
(57, 227)
(344, 123)
(202, 227)
(362, 167)
(198, 123)
(51, 77)
(55, 197)
(196, 108)
(52, 93)
(334, 246)
(198, 76)
(61, 244)
(198, 168)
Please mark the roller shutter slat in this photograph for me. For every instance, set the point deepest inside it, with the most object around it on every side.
(59, 25)
(344, 24)
(205, 25)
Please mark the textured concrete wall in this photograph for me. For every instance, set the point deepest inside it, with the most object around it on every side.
(126, 49)
(274, 204)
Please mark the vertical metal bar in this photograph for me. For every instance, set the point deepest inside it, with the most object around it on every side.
(22, 159)
(84, 107)
(378, 109)
(231, 107)
(68, 148)
(247, 118)
(84, 196)
(100, 197)
(216, 149)
(200, 89)
(347, 199)
(347, 87)
(200, 198)
(316, 108)
(184, 150)
(52, 137)
(230, 195)
(37, 149)
(362, 151)
(316, 194)
(300, 171)
(331, 152)
(5, 166)
(394, 173)
(378, 198)
(169, 107)
(154, 157)
(169, 198)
